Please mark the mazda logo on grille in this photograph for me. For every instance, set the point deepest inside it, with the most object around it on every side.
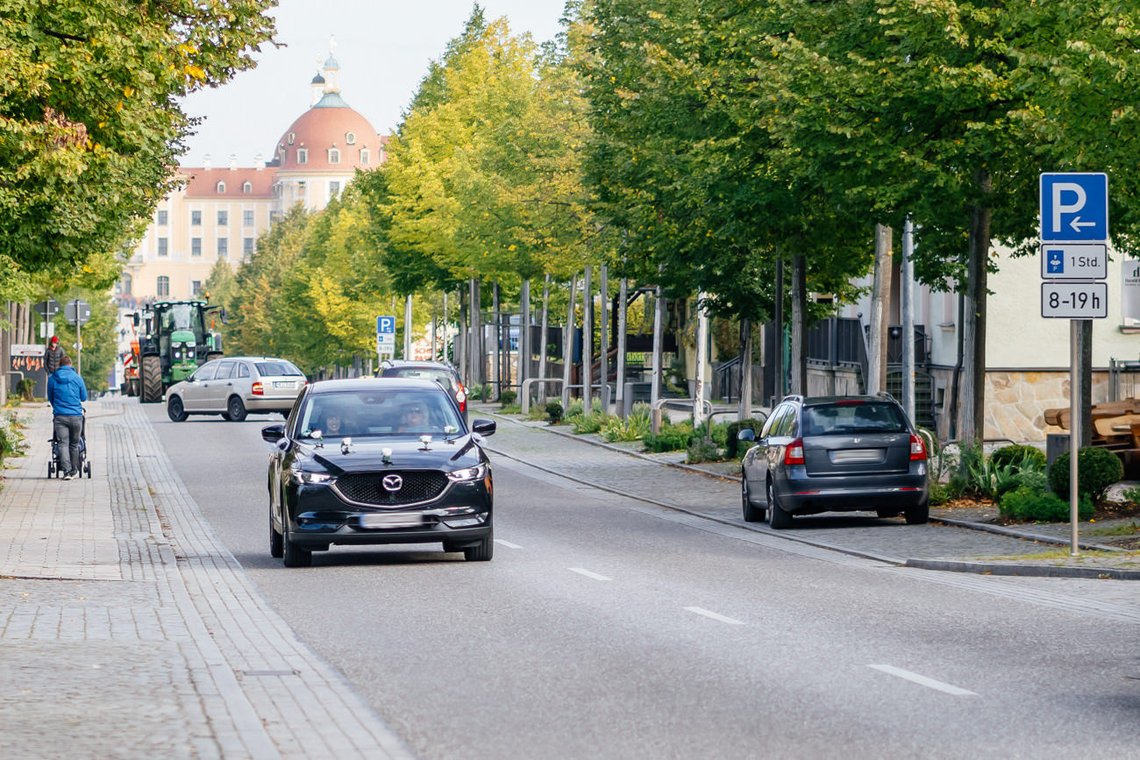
(392, 482)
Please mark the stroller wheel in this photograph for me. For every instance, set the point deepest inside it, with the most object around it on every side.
(51, 469)
(87, 469)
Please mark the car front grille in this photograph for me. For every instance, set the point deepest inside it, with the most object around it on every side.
(366, 488)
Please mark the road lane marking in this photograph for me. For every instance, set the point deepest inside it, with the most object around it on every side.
(714, 616)
(507, 544)
(924, 681)
(588, 574)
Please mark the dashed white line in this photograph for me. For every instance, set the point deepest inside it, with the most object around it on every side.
(507, 544)
(588, 574)
(714, 616)
(930, 683)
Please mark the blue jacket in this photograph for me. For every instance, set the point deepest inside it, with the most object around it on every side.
(66, 392)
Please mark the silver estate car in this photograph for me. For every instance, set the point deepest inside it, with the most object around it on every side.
(235, 386)
(834, 453)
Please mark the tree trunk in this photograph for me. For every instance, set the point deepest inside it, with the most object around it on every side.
(525, 350)
(799, 325)
(779, 387)
(542, 340)
(604, 342)
(567, 345)
(588, 341)
(745, 369)
(623, 293)
(973, 413)
(877, 351)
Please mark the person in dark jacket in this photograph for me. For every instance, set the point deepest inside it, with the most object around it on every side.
(52, 355)
(66, 391)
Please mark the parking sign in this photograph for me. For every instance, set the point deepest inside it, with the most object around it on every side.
(1074, 207)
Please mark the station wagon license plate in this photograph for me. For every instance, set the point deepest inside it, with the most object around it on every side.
(856, 456)
(284, 384)
(399, 520)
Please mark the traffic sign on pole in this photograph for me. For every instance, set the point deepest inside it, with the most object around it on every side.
(1074, 207)
(1074, 261)
(385, 336)
(1074, 300)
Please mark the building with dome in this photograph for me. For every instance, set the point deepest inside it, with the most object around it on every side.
(219, 212)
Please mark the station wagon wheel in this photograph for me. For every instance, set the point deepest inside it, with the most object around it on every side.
(918, 514)
(752, 513)
(778, 519)
(235, 409)
(175, 410)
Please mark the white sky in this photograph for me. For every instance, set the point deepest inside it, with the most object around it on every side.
(383, 48)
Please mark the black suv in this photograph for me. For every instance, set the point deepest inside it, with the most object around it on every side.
(835, 453)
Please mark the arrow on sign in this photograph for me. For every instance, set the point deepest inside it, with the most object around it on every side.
(1076, 224)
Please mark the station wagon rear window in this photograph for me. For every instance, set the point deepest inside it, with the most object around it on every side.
(276, 369)
(864, 417)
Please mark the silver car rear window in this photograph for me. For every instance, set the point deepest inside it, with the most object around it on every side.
(853, 417)
(276, 369)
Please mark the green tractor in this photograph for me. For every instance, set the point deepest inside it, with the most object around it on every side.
(175, 338)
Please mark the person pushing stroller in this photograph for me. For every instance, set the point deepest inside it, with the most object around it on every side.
(66, 391)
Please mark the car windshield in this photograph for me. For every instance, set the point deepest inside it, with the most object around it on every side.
(853, 417)
(441, 376)
(276, 369)
(379, 413)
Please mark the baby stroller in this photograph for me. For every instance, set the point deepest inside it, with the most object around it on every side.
(83, 467)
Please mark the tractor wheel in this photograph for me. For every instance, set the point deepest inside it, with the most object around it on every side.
(150, 375)
(133, 386)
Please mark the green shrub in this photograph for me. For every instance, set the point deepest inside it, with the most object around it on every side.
(587, 423)
(939, 493)
(1020, 455)
(702, 449)
(635, 427)
(511, 409)
(1025, 503)
(479, 392)
(1132, 495)
(26, 388)
(731, 444)
(596, 406)
(1097, 469)
(554, 411)
(673, 437)
(12, 442)
(506, 398)
(575, 408)
(1034, 479)
(986, 477)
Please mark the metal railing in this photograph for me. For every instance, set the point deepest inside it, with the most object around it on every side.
(524, 390)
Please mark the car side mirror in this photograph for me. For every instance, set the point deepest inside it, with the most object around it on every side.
(483, 427)
(273, 433)
(746, 434)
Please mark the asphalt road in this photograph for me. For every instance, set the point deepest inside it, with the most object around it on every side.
(607, 627)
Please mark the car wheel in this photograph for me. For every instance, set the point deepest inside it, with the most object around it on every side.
(226, 416)
(291, 553)
(276, 540)
(778, 517)
(482, 551)
(918, 514)
(235, 409)
(175, 410)
(752, 513)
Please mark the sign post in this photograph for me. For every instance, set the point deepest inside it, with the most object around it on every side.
(385, 337)
(1074, 263)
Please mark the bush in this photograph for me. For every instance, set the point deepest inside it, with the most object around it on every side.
(575, 408)
(12, 441)
(479, 392)
(1021, 455)
(587, 423)
(506, 398)
(26, 389)
(554, 411)
(731, 444)
(1097, 469)
(637, 426)
(701, 449)
(939, 493)
(1025, 503)
(671, 438)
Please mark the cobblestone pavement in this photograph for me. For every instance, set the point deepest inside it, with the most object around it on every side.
(952, 541)
(127, 630)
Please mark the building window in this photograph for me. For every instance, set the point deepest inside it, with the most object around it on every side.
(223, 247)
(334, 155)
(247, 247)
(334, 190)
(302, 155)
(196, 246)
(247, 187)
(223, 218)
(301, 187)
(292, 137)
(163, 287)
(221, 187)
(163, 246)
(195, 287)
(350, 138)
(196, 218)
(364, 156)
(162, 217)
(247, 218)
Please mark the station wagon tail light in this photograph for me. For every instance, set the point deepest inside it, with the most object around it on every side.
(917, 449)
(794, 453)
(258, 389)
(461, 398)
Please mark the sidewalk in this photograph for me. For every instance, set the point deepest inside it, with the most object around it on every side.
(128, 631)
(956, 540)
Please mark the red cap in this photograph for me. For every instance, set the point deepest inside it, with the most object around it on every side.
(54, 339)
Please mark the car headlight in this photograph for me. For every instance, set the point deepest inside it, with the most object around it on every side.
(468, 473)
(311, 477)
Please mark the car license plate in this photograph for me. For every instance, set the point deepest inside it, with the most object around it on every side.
(857, 456)
(398, 520)
(284, 384)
